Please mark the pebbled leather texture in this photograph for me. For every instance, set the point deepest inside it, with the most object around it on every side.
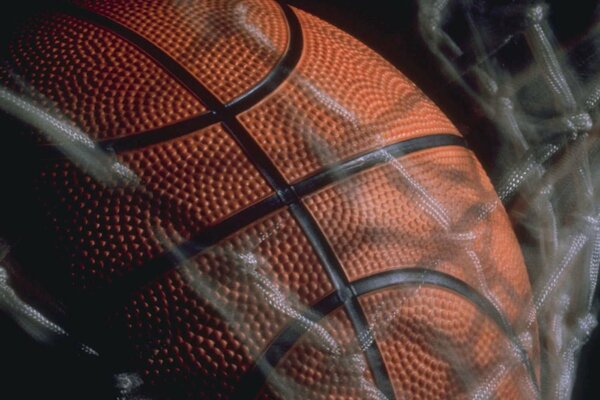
(201, 268)
(94, 78)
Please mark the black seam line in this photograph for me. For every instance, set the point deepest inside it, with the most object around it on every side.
(159, 135)
(263, 163)
(141, 276)
(251, 383)
(254, 380)
(123, 288)
(260, 160)
(287, 195)
(334, 270)
(218, 111)
(170, 65)
(430, 277)
(280, 73)
(362, 162)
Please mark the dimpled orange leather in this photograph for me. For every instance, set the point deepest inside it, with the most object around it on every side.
(304, 223)
(94, 78)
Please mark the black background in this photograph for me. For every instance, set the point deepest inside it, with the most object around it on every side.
(32, 370)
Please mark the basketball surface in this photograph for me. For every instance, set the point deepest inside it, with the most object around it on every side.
(304, 222)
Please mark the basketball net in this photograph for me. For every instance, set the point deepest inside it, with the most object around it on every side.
(543, 105)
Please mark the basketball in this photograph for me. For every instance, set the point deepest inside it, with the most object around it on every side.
(269, 210)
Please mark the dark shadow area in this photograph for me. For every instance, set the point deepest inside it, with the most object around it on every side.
(33, 370)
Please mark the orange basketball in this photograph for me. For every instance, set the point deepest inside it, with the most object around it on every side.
(303, 222)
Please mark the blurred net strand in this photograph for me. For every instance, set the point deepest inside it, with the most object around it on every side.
(528, 165)
(564, 260)
(103, 169)
(72, 142)
(30, 319)
(343, 360)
